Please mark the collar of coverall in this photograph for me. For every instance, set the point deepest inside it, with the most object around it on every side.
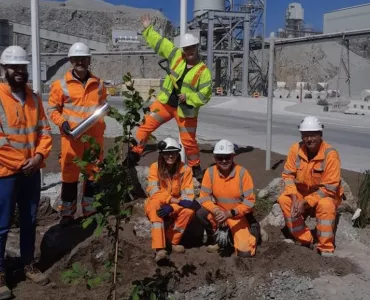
(320, 154)
(232, 173)
(5, 87)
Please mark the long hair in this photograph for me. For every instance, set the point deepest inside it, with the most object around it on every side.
(166, 172)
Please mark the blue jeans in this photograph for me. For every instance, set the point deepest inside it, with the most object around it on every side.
(26, 192)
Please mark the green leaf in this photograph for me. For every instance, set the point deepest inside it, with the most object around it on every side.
(93, 282)
(127, 94)
(119, 187)
(98, 231)
(87, 222)
(134, 293)
(76, 267)
(153, 296)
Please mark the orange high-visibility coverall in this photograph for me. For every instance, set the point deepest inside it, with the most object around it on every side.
(72, 101)
(234, 192)
(318, 182)
(24, 131)
(160, 193)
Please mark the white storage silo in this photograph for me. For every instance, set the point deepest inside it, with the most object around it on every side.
(202, 6)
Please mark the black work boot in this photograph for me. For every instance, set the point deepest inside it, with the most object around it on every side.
(5, 292)
(254, 228)
(198, 173)
(131, 160)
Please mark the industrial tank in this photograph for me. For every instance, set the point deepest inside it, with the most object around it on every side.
(202, 6)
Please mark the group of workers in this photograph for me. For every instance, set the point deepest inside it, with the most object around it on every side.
(227, 200)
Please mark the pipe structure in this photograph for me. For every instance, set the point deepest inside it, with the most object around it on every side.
(36, 69)
(270, 102)
(246, 55)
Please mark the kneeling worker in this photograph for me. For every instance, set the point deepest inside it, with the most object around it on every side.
(171, 195)
(227, 196)
(312, 176)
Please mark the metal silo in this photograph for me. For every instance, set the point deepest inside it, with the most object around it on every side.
(202, 6)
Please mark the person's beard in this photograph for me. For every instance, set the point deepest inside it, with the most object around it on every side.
(17, 84)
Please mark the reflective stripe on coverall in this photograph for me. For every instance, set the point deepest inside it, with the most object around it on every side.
(234, 192)
(318, 182)
(72, 101)
(197, 86)
(24, 130)
(160, 192)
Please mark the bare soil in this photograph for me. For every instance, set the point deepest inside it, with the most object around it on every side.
(187, 273)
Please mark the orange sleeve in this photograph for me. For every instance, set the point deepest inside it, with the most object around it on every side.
(187, 185)
(56, 104)
(249, 198)
(44, 138)
(154, 187)
(290, 171)
(330, 181)
(10, 158)
(205, 197)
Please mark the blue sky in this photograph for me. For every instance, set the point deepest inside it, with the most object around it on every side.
(314, 9)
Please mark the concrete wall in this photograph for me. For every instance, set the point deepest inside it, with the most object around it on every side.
(352, 18)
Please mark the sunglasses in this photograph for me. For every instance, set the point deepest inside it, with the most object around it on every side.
(223, 157)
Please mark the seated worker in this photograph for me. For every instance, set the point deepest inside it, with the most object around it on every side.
(312, 178)
(227, 197)
(171, 195)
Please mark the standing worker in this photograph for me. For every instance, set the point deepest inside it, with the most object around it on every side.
(72, 99)
(171, 195)
(25, 143)
(312, 179)
(195, 83)
(227, 197)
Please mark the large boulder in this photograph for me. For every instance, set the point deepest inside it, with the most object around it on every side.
(272, 191)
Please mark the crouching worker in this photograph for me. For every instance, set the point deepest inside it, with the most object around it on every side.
(312, 185)
(171, 195)
(227, 197)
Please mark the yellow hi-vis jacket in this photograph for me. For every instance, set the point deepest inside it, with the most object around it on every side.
(197, 84)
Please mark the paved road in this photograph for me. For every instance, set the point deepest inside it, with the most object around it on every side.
(249, 129)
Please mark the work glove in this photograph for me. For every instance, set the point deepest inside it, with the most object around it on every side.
(222, 237)
(66, 128)
(186, 203)
(165, 211)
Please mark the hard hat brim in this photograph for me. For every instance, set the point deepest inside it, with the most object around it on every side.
(223, 153)
(13, 62)
(80, 55)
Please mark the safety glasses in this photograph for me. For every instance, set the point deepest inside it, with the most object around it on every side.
(223, 157)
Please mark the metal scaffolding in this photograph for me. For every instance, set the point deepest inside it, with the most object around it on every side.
(227, 38)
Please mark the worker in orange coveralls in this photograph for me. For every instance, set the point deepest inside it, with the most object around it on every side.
(73, 99)
(228, 198)
(312, 176)
(171, 195)
(25, 143)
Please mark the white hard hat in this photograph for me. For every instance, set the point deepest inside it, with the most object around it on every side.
(224, 147)
(168, 144)
(79, 49)
(14, 55)
(188, 40)
(311, 123)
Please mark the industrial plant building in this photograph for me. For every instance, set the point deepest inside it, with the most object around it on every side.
(347, 19)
